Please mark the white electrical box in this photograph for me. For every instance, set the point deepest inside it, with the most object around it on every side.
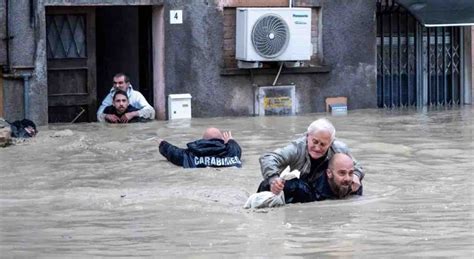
(179, 106)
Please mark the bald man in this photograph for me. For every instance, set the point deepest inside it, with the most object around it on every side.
(215, 149)
(335, 183)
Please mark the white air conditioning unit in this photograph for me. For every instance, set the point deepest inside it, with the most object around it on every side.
(273, 34)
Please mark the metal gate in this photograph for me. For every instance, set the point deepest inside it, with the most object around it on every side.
(416, 65)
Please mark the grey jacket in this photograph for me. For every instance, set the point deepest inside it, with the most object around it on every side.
(296, 156)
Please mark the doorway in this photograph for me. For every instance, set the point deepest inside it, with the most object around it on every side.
(124, 42)
(86, 47)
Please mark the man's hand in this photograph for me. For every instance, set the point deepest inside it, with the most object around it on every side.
(355, 183)
(227, 135)
(276, 185)
(128, 116)
(158, 141)
(112, 118)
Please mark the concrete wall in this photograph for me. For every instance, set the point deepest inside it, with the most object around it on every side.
(3, 49)
(194, 61)
(101, 2)
(192, 64)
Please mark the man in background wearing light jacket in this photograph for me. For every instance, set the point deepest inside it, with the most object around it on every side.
(136, 99)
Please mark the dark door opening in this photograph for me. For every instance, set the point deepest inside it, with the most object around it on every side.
(124, 44)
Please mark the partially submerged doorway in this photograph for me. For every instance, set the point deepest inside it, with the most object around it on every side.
(124, 42)
(86, 46)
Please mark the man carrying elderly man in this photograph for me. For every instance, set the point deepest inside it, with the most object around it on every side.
(327, 169)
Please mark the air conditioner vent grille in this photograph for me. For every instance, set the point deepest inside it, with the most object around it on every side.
(270, 36)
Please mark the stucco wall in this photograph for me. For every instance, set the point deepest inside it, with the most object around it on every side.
(349, 47)
(193, 62)
(101, 2)
(22, 45)
(3, 50)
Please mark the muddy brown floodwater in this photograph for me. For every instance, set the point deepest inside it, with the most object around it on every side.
(104, 190)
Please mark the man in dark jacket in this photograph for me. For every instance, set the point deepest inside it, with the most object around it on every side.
(334, 183)
(215, 149)
(23, 129)
(121, 111)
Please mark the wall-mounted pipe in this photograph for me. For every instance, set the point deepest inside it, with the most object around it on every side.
(26, 95)
(26, 90)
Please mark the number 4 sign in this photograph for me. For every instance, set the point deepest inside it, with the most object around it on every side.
(176, 16)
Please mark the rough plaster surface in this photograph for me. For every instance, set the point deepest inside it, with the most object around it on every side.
(349, 43)
(103, 2)
(3, 49)
(22, 47)
(13, 92)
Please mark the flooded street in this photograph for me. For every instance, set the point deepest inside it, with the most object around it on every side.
(104, 190)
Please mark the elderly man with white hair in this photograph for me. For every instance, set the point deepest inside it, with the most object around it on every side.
(310, 155)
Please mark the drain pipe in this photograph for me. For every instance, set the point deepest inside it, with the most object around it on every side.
(290, 4)
(26, 90)
(26, 95)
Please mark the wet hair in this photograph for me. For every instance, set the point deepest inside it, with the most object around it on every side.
(120, 92)
(127, 79)
(322, 124)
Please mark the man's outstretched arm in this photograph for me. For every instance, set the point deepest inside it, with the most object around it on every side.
(174, 154)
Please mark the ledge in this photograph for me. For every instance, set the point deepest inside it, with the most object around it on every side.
(272, 71)
(268, 3)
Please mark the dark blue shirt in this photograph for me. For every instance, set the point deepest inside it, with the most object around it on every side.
(111, 110)
(322, 190)
(298, 190)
